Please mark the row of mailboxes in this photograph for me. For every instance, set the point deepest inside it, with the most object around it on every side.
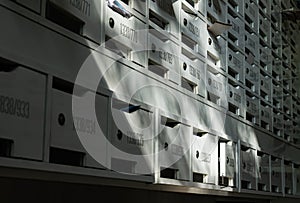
(22, 111)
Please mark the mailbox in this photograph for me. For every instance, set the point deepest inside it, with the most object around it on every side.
(251, 14)
(252, 77)
(216, 10)
(236, 64)
(276, 173)
(266, 117)
(263, 171)
(252, 109)
(288, 177)
(22, 112)
(227, 163)
(204, 157)
(248, 172)
(236, 100)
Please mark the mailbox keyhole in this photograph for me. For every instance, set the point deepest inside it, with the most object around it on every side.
(153, 48)
(119, 135)
(61, 119)
(197, 154)
(184, 66)
(111, 23)
(185, 22)
(166, 146)
(209, 41)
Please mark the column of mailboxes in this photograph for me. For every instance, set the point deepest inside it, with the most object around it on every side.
(125, 30)
(192, 53)
(216, 53)
(22, 111)
(163, 47)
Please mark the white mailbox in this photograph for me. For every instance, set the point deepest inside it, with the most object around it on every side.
(131, 138)
(65, 141)
(263, 171)
(84, 16)
(235, 62)
(193, 30)
(216, 88)
(164, 15)
(251, 14)
(266, 117)
(247, 164)
(194, 71)
(236, 100)
(163, 55)
(252, 77)
(252, 109)
(174, 141)
(227, 163)
(235, 34)
(216, 51)
(288, 177)
(216, 10)
(22, 112)
(204, 158)
(126, 36)
(276, 173)
(266, 87)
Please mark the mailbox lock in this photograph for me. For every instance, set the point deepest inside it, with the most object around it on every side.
(260, 169)
(153, 48)
(111, 22)
(184, 66)
(230, 94)
(247, 70)
(227, 160)
(244, 165)
(119, 134)
(185, 22)
(166, 146)
(197, 154)
(273, 173)
(209, 41)
(61, 119)
(230, 57)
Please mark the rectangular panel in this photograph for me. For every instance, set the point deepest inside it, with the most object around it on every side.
(227, 161)
(235, 34)
(66, 129)
(216, 10)
(194, 70)
(126, 36)
(266, 117)
(252, 77)
(164, 52)
(205, 157)
(276, 174)
(235, 62)
(216, 88)
(84, 16)
(265, 87)
(193, 30)
(251, 15)
(236, 100)
(248, 173)
(288, 177)
(263, 171)
(216, 51)
(22, 111)
(252, 109)
(173, 144)
(265, 29)
(131, 138)
(165, 15)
